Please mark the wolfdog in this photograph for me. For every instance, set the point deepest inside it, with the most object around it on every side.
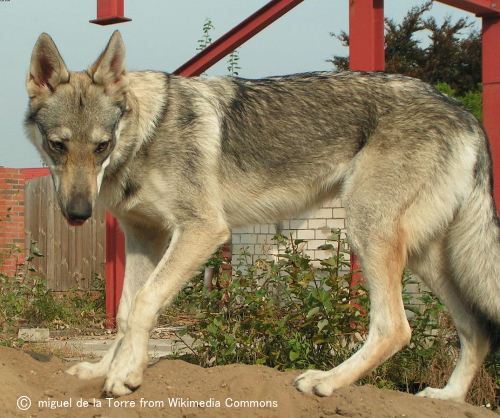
(180, 161)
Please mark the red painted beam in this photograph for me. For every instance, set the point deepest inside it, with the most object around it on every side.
(366, 35)
(110, 12)
(491, 95)
(366, 53)
(236, 37)
(110, 271)
(115, 268)
(478, 7)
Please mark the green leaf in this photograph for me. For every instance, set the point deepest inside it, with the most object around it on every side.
(312, 312)
(322, 324)
(332, 261)
(35, 251)
(212, 329)
(326, 247)
(293, 355)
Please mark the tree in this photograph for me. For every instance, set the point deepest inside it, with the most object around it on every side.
(448, 58)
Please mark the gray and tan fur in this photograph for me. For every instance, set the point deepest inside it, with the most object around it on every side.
(182, 161)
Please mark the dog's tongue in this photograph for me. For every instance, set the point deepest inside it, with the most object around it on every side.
(75, 222)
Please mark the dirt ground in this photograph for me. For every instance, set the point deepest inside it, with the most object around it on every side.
(228, 391)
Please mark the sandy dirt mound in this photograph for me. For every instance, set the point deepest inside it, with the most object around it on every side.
(228, 391)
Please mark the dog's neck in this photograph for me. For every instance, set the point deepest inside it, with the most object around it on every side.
(146, 104)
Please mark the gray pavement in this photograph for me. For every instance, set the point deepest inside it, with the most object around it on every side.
(95, 347)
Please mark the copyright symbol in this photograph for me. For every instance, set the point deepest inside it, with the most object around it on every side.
(23, 403)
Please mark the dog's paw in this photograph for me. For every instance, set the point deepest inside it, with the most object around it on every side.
(86, 370)
(445, 394)
(125, 373)
(315, 381)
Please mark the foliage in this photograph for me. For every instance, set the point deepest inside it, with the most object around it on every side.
(233, 59)
(233, 63)
(25, 299)
(282, 313)
(472, 100)
(206, 38)
(448, 58)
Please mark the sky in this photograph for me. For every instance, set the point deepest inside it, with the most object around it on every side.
(163, 35)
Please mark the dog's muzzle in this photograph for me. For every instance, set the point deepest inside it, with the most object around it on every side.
(78, 210)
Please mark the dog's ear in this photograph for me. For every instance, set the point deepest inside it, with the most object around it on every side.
(109, 69)
(47, 68)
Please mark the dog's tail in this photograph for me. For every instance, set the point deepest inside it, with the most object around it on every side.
(474, 249)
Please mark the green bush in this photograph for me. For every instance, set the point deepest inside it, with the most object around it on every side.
(472, 100)
(284, 313)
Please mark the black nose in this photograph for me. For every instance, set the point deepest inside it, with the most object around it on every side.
(79, 210)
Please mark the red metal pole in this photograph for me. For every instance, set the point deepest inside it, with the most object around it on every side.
(110, 12)
(491, 94)
(110, 271)
(115, 268)
(366, 53)
(366, 35)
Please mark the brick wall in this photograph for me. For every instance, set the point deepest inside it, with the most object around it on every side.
(12, 181)
(314, 226)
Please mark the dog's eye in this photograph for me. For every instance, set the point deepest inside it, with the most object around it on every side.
(103, 146)
(57, 146)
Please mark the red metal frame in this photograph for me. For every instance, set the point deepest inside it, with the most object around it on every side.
(115, 268)
(478, 7)
(366, 53)
(366, 35)
(110, 12)
(366, 29)
(491, 95)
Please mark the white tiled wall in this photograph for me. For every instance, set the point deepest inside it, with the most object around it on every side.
(314, 226)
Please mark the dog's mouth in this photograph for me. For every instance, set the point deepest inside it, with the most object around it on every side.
(75, 222)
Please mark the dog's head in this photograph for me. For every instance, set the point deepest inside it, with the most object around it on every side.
(74, 120)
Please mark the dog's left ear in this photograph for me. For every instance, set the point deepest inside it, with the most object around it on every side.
(109, 69)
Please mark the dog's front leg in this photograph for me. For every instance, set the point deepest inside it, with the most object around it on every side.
(145, 246)
(189, 249)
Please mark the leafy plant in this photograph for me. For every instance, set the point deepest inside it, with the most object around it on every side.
(284, 312)
(233, 60)
(25, 299)
(206, 38)
(472, 100)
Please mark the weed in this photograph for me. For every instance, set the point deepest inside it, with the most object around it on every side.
(25, 300)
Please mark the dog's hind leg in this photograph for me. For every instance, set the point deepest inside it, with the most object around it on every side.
(374, 206)
(431, 267)
(144, 248)
(382, 262)
(382, 254)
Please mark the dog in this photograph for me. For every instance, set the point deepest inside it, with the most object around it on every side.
(180, 161)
